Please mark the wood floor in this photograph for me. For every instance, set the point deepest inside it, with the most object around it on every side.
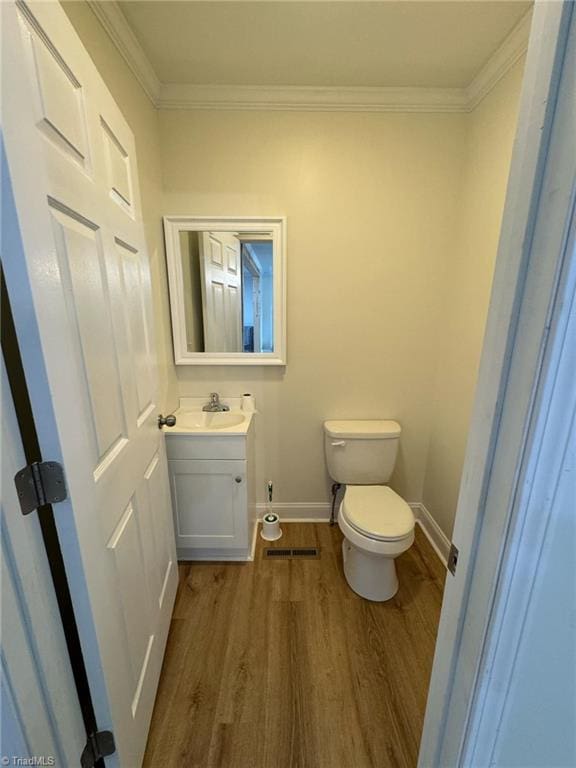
(278, 664)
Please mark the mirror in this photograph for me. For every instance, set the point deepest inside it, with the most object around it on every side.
(227, 289)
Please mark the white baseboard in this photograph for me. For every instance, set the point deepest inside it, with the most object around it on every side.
(319, 512)
(432, 531)
(297, 512)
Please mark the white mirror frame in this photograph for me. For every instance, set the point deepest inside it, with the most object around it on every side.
(173, 225)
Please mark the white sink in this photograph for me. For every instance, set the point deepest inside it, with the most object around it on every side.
(192, 420)
(195, 421)
(204, 420)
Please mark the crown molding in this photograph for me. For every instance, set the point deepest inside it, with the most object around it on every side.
(110, 15)
(307, 98)
(503, 59)
(311, 99)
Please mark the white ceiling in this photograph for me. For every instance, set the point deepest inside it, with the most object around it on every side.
(398, 43)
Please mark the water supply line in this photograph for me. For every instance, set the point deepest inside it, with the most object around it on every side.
(335, 488)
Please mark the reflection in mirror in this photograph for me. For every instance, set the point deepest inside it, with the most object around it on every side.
(228, 291)
(227, 279)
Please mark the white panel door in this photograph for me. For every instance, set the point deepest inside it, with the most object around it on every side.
(80, 289)
(220, 266)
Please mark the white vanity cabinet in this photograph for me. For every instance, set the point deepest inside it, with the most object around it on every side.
(213, 495)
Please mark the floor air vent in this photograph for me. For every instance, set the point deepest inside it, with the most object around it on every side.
(295, 553)
(305, 552)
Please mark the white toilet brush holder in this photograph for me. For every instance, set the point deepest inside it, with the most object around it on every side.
(271, 530)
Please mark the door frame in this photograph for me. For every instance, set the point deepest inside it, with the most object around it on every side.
(17, 401)
(527, 312)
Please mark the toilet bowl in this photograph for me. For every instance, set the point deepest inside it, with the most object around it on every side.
(377, 524)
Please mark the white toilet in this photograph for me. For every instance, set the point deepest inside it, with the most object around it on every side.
(378, 525)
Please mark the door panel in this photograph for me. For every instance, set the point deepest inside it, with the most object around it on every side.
(131, 573)
(59, 97)
(133, 292)
(160, 530)
(83, 272)
(84, 281)
(216, 253)
(117, 168)
(233, 320)
(233, 258)
(152, 533)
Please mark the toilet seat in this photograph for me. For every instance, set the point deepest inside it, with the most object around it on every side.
(374, 547)
(378, 513)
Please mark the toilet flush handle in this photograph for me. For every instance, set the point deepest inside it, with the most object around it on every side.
(338, 442)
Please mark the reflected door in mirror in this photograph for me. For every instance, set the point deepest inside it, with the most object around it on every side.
(221, 291)
(228, 291)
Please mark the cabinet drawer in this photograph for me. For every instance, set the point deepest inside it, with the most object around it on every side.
(203, 447)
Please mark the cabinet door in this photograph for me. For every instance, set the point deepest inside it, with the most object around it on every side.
(210, 503)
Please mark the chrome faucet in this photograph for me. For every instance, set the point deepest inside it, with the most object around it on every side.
(215, 406)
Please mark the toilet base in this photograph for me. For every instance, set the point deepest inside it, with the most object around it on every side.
(370, 576)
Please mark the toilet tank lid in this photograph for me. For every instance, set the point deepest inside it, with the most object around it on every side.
(368, 429)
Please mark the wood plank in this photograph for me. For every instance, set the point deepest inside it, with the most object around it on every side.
(278, 662)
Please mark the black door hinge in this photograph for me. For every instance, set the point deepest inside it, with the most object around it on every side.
(99, 745)
(40, 483)
(453, 559)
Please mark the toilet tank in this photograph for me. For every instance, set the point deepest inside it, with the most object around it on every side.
(361, 452)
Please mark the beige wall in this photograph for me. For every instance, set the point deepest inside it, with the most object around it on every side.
(370, 202)
(143, 120)
(393, 224)
(489, 137)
